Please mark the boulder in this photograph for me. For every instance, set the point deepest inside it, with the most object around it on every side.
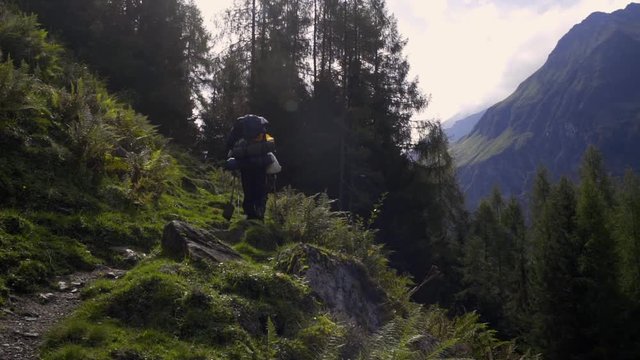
(181, 240)
(189, 185)
(342, 284)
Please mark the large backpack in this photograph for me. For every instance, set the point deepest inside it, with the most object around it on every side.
(255, 142)
(253, 126)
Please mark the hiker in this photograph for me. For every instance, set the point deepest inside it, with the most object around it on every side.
(251, 150)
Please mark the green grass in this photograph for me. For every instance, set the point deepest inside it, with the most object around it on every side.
(477, 148)
(163, 309)
(37, 244)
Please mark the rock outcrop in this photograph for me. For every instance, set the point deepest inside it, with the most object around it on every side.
(181, 240)
(342, 284)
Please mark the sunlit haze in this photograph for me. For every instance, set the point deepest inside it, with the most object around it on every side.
(469, 54)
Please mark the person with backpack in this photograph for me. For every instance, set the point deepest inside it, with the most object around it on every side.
(251, 150)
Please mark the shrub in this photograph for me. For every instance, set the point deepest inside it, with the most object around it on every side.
(309, 219)
(23, 41)
(28, 275)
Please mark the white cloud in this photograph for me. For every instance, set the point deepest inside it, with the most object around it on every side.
(470, 54)
(210, 8)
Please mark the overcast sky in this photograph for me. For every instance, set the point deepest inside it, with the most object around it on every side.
(470, 54)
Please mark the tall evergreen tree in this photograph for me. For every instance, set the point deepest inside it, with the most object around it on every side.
(598, 258)
(627, 235)
(626, 232)
(483, 277)
(557, 283)
(518, 302)
(496, 274)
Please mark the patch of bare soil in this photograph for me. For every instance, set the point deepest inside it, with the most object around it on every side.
(25, 319)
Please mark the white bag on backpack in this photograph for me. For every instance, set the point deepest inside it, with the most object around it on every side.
(274, 167)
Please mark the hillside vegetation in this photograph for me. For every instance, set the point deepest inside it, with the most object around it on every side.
(82, 174)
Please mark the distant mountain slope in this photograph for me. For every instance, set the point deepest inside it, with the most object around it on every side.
(463, 126)
(588, 92)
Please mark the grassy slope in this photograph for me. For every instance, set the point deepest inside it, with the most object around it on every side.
(82, 173)
(476, 148)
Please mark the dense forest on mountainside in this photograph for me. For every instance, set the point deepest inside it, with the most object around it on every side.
(567, 283)
(91, 163)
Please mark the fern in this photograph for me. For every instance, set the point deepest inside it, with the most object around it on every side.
(332, 349)
(22, 41)
(396, 339)
(271, 340)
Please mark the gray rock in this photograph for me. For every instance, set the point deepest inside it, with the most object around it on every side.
(45, 298)
(189, 185)
(343, 285)
(129, 257)
(209, 186)
(27, 334)
(120, 152)
(181, 240)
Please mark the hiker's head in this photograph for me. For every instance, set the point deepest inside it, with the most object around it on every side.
(254, 118)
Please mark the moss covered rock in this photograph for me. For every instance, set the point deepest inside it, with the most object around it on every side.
(181, 240)
(342, 284)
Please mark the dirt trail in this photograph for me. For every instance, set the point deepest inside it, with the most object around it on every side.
(24, 320)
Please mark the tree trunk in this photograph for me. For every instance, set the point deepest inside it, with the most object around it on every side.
(315, 38)
(252, 75)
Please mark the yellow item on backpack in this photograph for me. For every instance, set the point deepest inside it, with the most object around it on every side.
(263, 137)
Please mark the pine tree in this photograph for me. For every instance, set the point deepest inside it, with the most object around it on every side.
(627, 234)
(496, 266)
(484, 263)
(539, 194)
(517, 306)
(556, 280)
(600, 305)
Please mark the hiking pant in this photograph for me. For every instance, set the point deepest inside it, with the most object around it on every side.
(254, 186)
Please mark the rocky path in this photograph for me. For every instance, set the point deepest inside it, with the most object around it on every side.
(25, 319)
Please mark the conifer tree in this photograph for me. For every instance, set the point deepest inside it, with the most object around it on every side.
(496, 268)
(556, 280)
(598, 267)
(517, 306)
(626, 232)
(627, 235)
(539, 194)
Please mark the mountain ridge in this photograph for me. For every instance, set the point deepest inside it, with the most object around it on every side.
(463, 126)
(585, 94)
